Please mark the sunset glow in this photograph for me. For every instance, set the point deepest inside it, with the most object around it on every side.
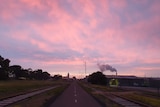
(59, 35)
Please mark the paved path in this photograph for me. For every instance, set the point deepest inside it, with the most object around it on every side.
(124, 102)
(75, 96)
(11, 100)
(118, 100)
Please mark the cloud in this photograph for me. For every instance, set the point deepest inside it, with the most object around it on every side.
(119, 4)
(62, 32)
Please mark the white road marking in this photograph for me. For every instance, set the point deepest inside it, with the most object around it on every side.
(74, 89)
(75, 94)
(75, 101)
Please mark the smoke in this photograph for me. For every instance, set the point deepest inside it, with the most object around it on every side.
(105, 67)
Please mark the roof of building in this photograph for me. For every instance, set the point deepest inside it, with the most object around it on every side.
(122, 76)
(130, 77)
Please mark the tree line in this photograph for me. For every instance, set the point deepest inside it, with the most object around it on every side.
(17, 72)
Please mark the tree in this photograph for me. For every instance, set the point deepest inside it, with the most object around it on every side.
(1, 61)
(16, 69)
(97, 78)
(5, 64)
(3, 74)
(57, 77)
(37, 74)
(4, 68)
(40, 75)
(46, 75)
(19, 72)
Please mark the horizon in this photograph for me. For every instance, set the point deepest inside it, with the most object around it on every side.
(59, 36)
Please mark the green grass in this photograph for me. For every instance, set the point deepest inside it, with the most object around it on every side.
(105, 102)
(142, 97)
(11, 88)
(43, 99)
(106, 88)
(154, 102)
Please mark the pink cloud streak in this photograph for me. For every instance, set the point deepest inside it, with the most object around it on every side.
(87, 28)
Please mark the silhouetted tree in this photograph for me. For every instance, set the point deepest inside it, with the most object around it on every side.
(16, 69)
(1, 61)
(40, 75)
(5, 64)
(3, 74)
(4, 68)
(24, 73)
(97, 78)
(29, 72)
(46, 75)
(57, 77)
(19, 72)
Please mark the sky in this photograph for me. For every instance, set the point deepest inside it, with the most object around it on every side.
(59, 36)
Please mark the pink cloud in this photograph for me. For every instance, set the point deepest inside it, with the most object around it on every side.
(155, 8)
(41, 45)
(119, 4)
(19, 35)
(9, 11)
(86, 8)
(33, 4)
(142, 2)
(88, 28)
(146, 69)
(60, 34)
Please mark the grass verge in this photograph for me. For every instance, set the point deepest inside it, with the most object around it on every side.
(102, 99)
(139, 96)
(151, 101)
(16, 87)
(41, 100)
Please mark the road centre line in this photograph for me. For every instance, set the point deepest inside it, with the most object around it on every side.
(75, 100)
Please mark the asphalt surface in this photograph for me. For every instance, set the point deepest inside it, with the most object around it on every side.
(75, 96)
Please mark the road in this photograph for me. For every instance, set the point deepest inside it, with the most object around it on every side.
(75, 96)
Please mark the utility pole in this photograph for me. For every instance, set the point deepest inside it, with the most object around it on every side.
(85, 67)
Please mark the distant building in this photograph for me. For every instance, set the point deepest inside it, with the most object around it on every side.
(66, 77)
(131, 80)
